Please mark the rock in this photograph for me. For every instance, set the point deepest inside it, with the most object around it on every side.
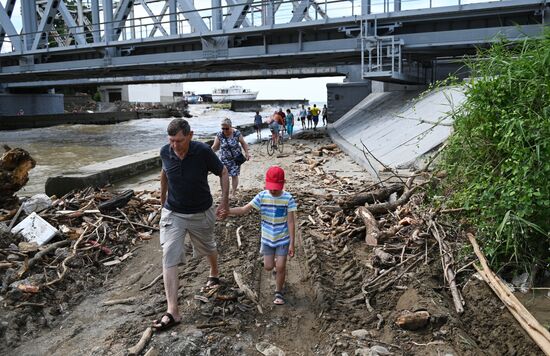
(378, 350)
(360, 333)
(27, 246)
(12, 257)
(362, 352)
(267, 349)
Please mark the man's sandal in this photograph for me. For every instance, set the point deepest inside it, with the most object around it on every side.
(279, 299)
(212, 282)
(165, 326)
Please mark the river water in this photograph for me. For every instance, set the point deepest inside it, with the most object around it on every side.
(65, 148)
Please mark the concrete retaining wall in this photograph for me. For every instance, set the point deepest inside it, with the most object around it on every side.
(101, 174)
(114, 170)
(396, 127)
(256, 105)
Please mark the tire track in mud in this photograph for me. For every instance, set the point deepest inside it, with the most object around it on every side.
(300, 335)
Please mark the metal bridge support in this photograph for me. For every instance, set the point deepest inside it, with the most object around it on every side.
(28, 8)
(173, 9)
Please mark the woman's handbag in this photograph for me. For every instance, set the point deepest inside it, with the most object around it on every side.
(240, 159)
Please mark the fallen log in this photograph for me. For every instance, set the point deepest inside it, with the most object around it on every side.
(371, 225)
(537, 332)
(378, 195)
(387, 207)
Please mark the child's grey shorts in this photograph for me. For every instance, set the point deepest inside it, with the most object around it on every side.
(266, 250)
(175, 226)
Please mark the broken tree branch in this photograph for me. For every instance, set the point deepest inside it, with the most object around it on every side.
(447, 263)
(145, 337)
(371, 225)
(536, 331)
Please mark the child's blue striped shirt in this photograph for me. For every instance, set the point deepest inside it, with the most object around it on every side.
(274, 214)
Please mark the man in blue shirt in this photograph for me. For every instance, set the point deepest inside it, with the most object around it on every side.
(187, 208)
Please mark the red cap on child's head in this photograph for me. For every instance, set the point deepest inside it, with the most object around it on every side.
(274, 178)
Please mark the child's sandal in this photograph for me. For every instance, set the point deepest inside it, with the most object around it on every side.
(279, 299)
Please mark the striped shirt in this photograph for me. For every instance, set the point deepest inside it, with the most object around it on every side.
(274, 212)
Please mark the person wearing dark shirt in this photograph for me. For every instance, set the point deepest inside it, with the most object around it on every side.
(187, 209)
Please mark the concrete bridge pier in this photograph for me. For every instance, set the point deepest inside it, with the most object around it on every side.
(13, 104)
(342, 97)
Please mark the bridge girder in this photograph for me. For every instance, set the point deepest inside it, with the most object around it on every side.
(238, 40)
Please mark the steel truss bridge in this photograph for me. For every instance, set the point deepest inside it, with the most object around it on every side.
(64, 42)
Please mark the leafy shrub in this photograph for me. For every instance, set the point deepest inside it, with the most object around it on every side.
(498, 157)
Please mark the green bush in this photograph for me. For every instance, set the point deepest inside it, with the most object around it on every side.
(498, 157)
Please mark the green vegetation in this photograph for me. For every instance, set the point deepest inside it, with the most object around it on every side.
(498, 158)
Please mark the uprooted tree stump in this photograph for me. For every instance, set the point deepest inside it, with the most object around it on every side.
(15, 165)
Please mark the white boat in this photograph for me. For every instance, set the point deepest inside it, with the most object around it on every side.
(234, 92)
(192, 98)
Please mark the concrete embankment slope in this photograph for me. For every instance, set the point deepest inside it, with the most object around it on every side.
(396, 127)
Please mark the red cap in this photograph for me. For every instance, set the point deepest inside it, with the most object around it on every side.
(274, 178)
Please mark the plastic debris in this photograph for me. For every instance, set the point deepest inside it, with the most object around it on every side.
(35, 229)
(36, 203)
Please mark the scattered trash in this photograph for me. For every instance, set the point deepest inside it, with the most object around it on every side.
(521, 282)
(36, 203)
(35, 229)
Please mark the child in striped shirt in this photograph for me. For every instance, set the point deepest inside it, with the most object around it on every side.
(278, 209)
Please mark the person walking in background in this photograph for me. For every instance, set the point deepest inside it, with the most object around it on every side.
(324, 114)
(315, 116)
(303, 114)
(278, 220)
(258, 125)
(187, 207)
(289, 123)
(229, 141)
(308, 115)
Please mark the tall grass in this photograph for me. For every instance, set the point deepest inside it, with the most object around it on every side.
(498, 157)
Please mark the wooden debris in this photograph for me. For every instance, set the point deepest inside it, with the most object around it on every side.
(130, 300)
(413, 321)
(379, 195)
(246, 290)
(145, 337)
(537, 332)
(152, 282)
(239, 236)
(15, 165)
(447, 262)
(371, 225)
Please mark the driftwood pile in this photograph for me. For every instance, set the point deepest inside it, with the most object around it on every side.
(96, 228)
(400, 234)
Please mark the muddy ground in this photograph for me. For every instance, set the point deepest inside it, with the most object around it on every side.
(326, 312)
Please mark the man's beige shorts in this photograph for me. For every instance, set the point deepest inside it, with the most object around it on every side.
(175, 226)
